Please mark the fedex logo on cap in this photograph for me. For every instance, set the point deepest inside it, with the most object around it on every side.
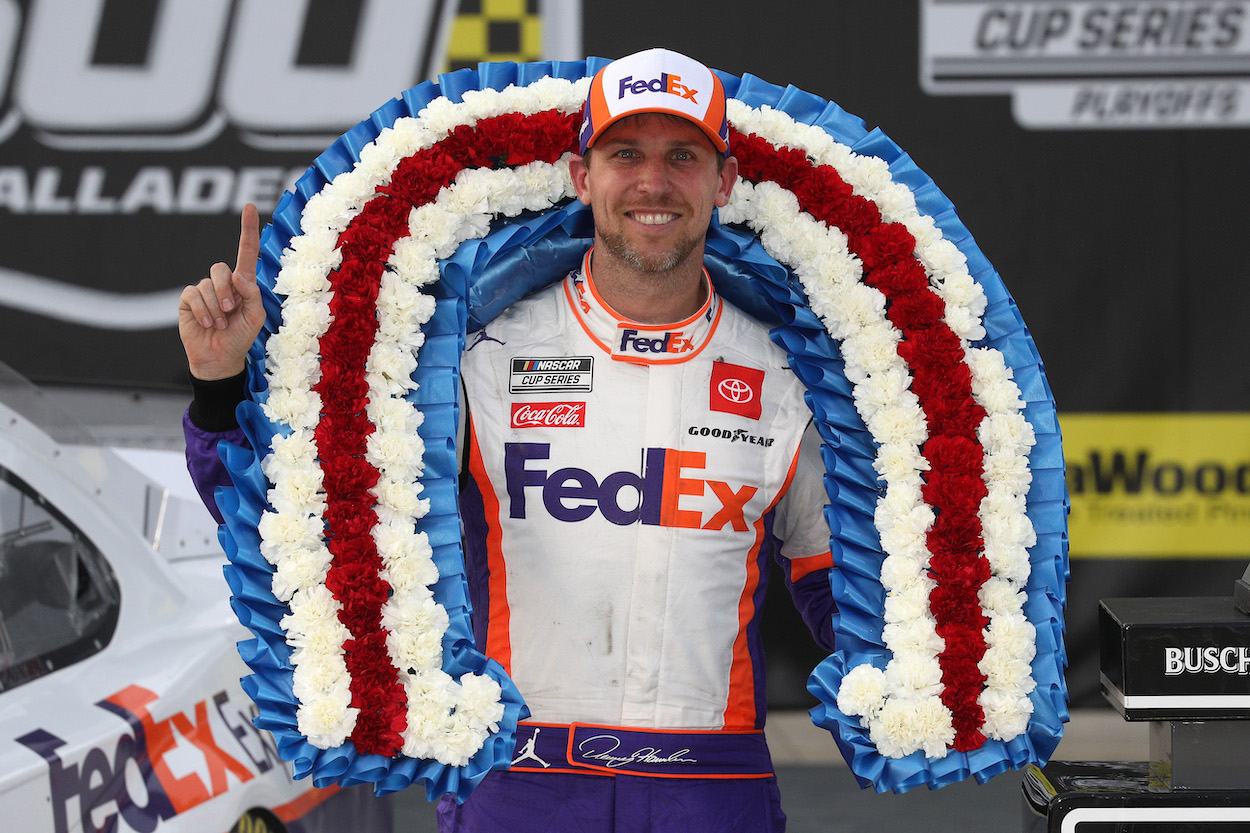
(664, 84)
(656, 81)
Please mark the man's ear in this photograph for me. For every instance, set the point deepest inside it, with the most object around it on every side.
(579, 170)
(728, 176)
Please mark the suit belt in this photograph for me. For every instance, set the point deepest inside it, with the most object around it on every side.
(588, 749)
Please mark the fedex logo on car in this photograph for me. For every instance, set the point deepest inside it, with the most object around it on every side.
(664, 84)
(158, 752)
(652, 497)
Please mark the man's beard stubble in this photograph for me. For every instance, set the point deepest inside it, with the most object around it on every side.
(620, 248)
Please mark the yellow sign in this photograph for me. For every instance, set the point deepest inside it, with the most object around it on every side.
(1166, 485)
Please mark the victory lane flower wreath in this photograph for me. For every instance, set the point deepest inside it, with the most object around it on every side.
(947, 505)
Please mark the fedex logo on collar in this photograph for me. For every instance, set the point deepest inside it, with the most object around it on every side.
(652, 497)
(664, 84)
(632, 341)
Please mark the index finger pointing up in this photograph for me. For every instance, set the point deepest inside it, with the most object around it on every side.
(249, 243)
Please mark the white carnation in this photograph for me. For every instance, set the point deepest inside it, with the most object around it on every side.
(1006, 715)
(1008, 433)
(862, 691)
(898, 425)
(920, 674)
(906, 726)
(873, 348)
(909, 601)
(916, 636)
(299, 570)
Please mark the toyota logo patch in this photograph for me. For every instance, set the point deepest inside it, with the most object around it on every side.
(736, 390)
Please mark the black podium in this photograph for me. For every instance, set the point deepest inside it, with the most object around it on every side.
(1184, 666)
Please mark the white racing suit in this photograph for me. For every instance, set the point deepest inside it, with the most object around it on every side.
(625, 484)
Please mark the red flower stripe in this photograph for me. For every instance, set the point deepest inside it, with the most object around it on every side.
(954, 485)
(341, 434)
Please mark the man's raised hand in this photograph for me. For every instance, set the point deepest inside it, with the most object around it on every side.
(219, 317)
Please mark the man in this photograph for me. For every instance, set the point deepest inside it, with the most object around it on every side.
(616, 556)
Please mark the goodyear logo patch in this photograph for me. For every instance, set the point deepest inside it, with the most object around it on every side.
(552, 374)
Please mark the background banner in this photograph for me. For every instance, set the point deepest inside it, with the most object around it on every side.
(1160, 485)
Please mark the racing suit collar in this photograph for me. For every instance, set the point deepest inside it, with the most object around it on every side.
(629, 341)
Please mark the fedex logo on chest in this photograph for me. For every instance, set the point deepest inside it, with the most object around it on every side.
(661, 494)
(664, 84)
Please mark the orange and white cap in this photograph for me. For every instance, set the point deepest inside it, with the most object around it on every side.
(656, 81)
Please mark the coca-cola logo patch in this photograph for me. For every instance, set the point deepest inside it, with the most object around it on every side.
(548, 414)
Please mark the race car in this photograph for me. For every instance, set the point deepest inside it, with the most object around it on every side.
(120, 703)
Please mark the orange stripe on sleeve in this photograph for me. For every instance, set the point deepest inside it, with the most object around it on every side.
(499, 629)
(740, 707)
(801, 567)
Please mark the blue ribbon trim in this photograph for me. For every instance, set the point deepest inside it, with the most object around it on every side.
(523, 255)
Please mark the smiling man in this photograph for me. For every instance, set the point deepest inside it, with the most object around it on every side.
(635, 450)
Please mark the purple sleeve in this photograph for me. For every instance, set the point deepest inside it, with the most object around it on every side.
(803, 535)
(814, 600)
(204, 463)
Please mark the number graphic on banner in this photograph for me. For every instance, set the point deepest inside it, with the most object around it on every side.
(58, 88)
(202, 67)
(263, 90)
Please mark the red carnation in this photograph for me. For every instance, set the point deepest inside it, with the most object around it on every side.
(942, 382)
(959, 417)
(355, 550)
(418, 179)
(555, 134)
(350, 475)
(357, 282)
(339, 385)
(956, 533)
(349, 345)
(854, 216)
(356, 584)
(915, 309)
(954, 490)
(955, 455)
(355, 524)
(932, 345)
(884, 244)
(820, 191)
(758, 160)
(902, 276)
(341, 506)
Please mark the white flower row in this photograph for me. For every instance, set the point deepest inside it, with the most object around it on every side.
(901, 705)
(447, 720)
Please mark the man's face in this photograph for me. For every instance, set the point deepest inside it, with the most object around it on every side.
(652, 182)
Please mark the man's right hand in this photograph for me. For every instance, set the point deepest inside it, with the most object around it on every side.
(220, 317)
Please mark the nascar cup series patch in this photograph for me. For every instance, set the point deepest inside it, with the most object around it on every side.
(564, 374)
